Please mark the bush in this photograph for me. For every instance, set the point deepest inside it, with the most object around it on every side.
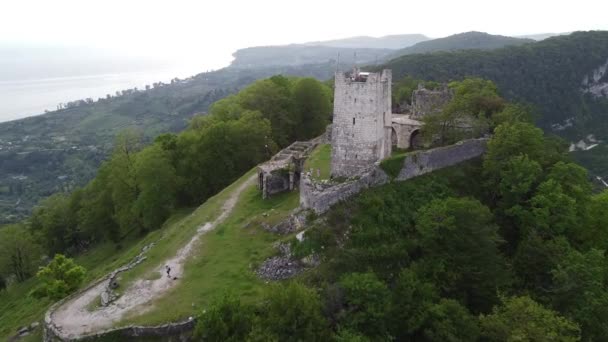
(393, 165)
(60, 277)
(225, 320)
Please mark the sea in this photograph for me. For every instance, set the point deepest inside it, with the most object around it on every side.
(29, 97)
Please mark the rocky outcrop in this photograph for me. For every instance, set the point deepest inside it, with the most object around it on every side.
(293, 223)
(284, 265)
(596, 83)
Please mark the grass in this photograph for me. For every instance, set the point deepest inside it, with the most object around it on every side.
(225, 259)
(393, 164)
(176, 233)
(319, 159)
(17, 308)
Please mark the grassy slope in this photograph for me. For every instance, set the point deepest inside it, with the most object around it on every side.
(18, 309)
(225, 259)
(225, 254)
(320, 158)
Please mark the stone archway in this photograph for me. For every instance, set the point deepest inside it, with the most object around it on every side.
(415, 140)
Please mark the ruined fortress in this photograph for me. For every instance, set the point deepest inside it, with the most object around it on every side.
(364, 132)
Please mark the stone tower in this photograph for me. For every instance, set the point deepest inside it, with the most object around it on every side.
(361, 130)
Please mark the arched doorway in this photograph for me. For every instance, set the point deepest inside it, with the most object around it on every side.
(415, 140)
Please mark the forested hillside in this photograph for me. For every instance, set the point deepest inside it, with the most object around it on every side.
(548, 75)
(461, 41)
(61, 150)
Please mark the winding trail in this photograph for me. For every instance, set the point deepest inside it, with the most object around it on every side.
(74, 319)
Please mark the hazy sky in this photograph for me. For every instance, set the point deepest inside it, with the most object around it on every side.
(212, 30)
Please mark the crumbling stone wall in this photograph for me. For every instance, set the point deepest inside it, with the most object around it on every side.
(422, 162)
(178, 331)
(319, 197)
(427, 101)
(361, 133)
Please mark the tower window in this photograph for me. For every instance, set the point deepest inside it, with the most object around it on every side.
(353, 121)
(355, 100)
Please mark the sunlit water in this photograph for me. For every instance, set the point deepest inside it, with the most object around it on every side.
(23, 98)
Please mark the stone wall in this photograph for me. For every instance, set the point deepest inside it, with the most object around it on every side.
(419, 163)
(319, 197)
(178, 331)
(426, 101)
(361, 121)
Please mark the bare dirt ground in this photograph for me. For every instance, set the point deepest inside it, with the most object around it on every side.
(74, 318)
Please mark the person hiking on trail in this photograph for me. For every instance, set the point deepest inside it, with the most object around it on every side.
(168, 269)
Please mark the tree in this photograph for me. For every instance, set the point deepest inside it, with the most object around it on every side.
(534, 260)
(60, 277)
(291, 313)
(312, 106)
(19, 254)
(96, 215)
(123, 181)
(522, 319)
(509, 140)
(272, 97)
(475, 101)
(553, 212)
(412, 299)
(580, 291)
(459, 247)
(157, 181)
(55, 222)
(448, 320)
(226, 320)
(512, 113)
(367, 302)
(595, 233)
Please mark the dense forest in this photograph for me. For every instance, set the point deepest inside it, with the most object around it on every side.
(461, 41)
(547, 75)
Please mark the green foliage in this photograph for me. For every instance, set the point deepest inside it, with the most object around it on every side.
(312, 108)
(580, 291)
(393, 165)
(226, 320)
(19, 254)
(156, 180)
(474, 103)
(523, 319)
(60, 277)
(595, 233)
(292, 313)
(380, 226)
(412, 299)
(367, 301)
(448, 320)
(459, 244)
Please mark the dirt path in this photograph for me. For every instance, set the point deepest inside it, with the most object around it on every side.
(74, 319)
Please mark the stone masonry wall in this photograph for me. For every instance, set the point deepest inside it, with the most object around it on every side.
(319, 197)
(361, 122)
(422, 162)
(426, 101)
